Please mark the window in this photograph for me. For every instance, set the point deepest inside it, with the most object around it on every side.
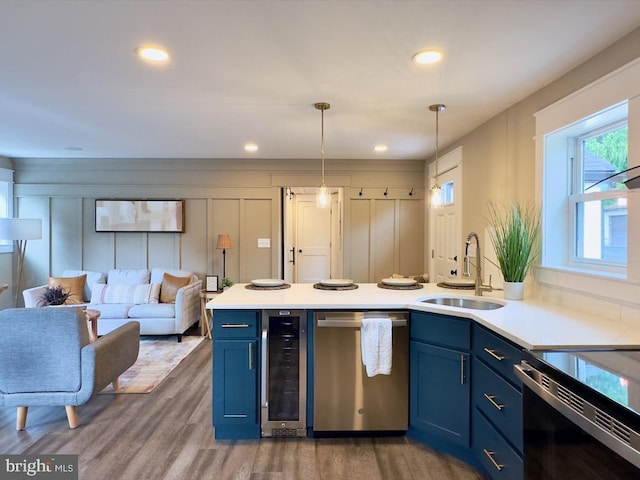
(591, 233)
(599, 206)
(446, 193)
(578, 160)
(6, 203)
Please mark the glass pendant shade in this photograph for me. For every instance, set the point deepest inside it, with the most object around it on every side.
(323, 197)
(436, 196)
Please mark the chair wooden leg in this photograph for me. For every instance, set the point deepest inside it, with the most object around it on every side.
(72, 415)
(116, 384)
(21, 421)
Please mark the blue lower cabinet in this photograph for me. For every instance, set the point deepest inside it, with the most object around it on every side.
(440, 394)
(496, 457)
(235, 375)
(497, 406)
(235, 389)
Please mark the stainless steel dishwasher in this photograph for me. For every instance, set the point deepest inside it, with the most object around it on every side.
(345, 398)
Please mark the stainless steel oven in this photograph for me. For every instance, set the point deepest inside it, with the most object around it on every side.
(581, 415)
(284, 373)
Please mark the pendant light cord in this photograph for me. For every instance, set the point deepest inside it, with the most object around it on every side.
(322, 106)
(438, 107)
(437, 136)
(322, 141)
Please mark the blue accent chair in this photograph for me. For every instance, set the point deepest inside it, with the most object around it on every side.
(46, 359)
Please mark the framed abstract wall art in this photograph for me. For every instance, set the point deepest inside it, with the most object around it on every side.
(140, 216)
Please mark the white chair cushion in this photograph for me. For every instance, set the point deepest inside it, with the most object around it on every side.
(131, 294)
(128, 276)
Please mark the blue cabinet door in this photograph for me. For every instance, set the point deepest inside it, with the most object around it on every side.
(440, 395)
(235, 389)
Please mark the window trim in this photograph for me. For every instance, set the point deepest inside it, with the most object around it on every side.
(6, 176)
(617, 87)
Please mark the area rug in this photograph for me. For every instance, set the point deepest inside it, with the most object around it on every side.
(157, 358)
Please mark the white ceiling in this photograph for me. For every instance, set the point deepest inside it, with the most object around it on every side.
(250, 70)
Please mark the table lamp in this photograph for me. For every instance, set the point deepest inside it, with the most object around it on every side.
(20, 230)
(224, 242)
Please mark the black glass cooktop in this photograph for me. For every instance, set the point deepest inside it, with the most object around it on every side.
(614, 374)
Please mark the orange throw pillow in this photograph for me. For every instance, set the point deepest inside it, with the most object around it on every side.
(170, 286)
(73, 285)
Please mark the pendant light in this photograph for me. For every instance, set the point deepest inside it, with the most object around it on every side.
(323, 197)
(436, 193)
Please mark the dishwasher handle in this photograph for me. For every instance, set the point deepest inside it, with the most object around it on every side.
(351, 323)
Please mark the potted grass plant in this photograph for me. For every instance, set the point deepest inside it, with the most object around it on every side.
(515, 235)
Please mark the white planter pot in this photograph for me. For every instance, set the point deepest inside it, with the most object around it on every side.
(514, 290)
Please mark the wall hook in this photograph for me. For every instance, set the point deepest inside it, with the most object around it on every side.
(411, 192)
(360, 191)
(386, 190)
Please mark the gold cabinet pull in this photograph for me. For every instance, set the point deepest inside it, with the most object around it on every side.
(494, 354)
(493, 402)
(235, 325)
(489, 454)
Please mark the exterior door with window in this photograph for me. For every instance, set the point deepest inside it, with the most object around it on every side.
(446, 230)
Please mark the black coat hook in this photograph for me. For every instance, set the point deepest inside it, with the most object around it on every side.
(386, 190)
(360, 191)
(411, 192)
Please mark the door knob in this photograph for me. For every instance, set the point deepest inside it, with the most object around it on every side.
(300, 251)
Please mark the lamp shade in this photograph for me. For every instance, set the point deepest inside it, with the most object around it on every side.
(20, 228)
(224, 241)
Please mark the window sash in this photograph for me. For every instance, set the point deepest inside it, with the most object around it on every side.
(580, 261)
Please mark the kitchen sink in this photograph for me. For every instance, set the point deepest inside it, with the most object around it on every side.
(464, 302)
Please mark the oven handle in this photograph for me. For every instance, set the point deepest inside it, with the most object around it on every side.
(532, 379)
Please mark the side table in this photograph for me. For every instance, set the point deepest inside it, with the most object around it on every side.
(92, 318)
(205, 321)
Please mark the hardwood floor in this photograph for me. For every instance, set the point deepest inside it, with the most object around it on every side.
(167, 434)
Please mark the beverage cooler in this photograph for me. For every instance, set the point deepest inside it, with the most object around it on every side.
(283, 375)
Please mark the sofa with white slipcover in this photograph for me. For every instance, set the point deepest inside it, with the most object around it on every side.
(164, 301)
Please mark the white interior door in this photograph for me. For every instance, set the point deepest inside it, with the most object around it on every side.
(313, 240)
(445, 223)
(288, 255)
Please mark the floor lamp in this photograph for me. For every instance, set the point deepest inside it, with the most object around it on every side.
(20, 230)
(224, 242)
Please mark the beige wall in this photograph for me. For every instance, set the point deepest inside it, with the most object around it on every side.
(241, 196)
(499, 156)
(238, 197)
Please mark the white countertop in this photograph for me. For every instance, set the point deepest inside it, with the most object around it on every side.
(533, 325)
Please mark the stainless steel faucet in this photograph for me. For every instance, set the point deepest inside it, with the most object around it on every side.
(480, 287)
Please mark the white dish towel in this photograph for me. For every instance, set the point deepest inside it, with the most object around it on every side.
(375, 343)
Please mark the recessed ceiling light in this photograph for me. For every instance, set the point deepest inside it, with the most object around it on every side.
(153, 54)
(251, 147)
(380, 148)
(427, 56)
